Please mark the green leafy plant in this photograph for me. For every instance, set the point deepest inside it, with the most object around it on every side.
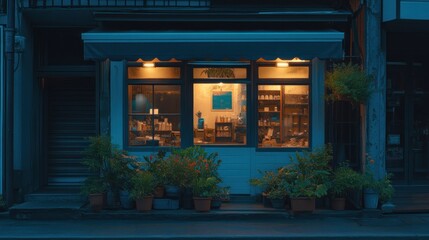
(93, 185)
(278, 192)
(143, 185)
(156, 165)
(183, 166)
(204, 187)
(348, 82)
(386, 189)
(382, 186)
(344, 179)
(309, 172)
(113, 165)
(222, 193)
(219, 72)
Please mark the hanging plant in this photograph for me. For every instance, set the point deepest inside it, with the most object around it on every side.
(219, 72)
(348, 82)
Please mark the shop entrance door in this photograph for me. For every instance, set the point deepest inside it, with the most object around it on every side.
(408, 123)
(70, 118)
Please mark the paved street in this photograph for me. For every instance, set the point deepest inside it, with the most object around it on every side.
(405, 226)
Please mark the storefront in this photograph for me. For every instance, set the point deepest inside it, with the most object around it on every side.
(253, 97)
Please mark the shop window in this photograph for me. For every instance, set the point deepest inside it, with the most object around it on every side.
(220, 113)
(154, 115)
(283, 116)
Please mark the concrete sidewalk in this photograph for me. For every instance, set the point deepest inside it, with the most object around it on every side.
(404, 226)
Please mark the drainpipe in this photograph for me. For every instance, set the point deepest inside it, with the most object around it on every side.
(10, 62)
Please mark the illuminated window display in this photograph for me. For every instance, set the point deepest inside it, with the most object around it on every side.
(220, 113)
(280, 110)
(283, 104)
(153, 115)
(283, 116)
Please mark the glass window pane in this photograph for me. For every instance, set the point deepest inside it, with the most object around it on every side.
(208, 73)
(220, 114)
(153, 72)
(167, 99)
(154, 124)
(283, 116)
(140, 99)
(140, 131)
(291, 72)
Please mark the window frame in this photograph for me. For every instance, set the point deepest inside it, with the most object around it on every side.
(248, 83)
(278, 81)
(152, 82)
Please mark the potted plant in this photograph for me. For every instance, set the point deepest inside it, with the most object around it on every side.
(344, 179)
(221, 195)
(156, 165)
(203, 190)
(376, 190)
(308, 178)
(386, 194)
(269, 181)
(348, 82)
(219, 72)
(142, 190)
(94, 188)
(111, 164)
(277, 196)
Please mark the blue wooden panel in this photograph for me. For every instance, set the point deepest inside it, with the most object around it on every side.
(389, 10)
(414, 10)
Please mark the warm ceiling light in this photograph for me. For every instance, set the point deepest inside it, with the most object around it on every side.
(282, 64)
(149, 65)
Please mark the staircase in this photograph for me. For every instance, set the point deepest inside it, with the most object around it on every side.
(411, 198)
(49, 203)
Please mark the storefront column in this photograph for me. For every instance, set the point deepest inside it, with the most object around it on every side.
(375, 62)
(318, 103)
(116, 102)
(103, 93)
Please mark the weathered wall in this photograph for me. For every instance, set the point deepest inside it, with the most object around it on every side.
(375, 62)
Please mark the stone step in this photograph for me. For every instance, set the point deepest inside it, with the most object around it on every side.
(237, 198)
(48, 197)
(57, 209)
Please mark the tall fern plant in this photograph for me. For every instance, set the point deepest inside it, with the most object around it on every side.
(348, 82)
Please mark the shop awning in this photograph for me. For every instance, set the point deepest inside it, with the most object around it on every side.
(213, 45)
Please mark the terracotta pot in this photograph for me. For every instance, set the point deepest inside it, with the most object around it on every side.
(159, 192)
(96, 201)
(144, 204)
(202, 204)
(338, 203)
(303, 204)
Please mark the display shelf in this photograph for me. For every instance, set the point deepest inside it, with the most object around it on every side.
(223, 131)
(269, 115)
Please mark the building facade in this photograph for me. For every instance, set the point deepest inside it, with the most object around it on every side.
(405, 24)
(241, 78)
